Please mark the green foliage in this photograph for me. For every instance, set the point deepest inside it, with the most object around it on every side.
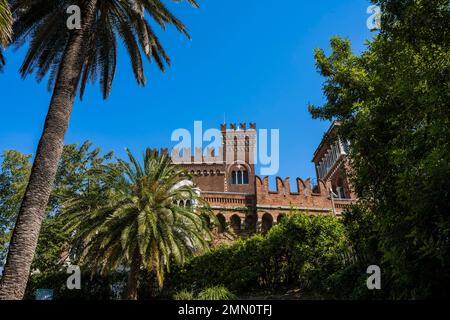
(361, 231)
(50, 252)
(14, 172)
(216, 293)
(362, 251)
(184, 295)
(212, 293)
(78, 173)
(5, 28)
(301, 252)
(138, 222)
(97, 194)
(393, 102)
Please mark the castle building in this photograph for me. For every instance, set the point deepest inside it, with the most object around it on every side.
(242, 200)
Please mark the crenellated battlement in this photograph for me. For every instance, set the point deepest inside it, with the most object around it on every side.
(284, 186)
(284, 196)
(241, 127)
(186, 156)
(160, 152)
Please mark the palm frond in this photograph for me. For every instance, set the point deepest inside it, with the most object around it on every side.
(43, 24)
(138, 213)
(5, 28)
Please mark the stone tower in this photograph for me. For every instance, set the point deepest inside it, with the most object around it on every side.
(239, 154)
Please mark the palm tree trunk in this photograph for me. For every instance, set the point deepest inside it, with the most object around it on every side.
(26, 232)
(133, 276)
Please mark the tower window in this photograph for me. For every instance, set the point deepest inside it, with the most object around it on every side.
(239, 177)
(245, 177)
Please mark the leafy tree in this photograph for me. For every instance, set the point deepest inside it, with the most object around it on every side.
(78, 173)
(51, 252)
(138, 224)
(71, 58)
(393, 102)
(5, 28)
(14, 172)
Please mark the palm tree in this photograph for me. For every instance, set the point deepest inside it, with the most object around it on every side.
(71, 58)
(139, 223)
(5, 28)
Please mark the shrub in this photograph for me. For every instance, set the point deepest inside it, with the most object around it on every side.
(301, 252)
(184, 295)
(216, 293)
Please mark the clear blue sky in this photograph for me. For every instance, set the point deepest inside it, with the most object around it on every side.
(250, 59)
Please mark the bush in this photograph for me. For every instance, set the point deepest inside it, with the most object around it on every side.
(216, 293)
(301, 252)
(184, 295)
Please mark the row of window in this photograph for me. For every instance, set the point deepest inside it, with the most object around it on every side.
(237, 177)
(206, 173)
(329, 159)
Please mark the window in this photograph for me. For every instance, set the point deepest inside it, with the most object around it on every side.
(239, 177)
(245, 177)
(341, 192)
(234, 177)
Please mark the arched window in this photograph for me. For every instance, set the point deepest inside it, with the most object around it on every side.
(239, 177)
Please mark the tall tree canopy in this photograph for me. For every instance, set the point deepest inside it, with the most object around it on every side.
(77, 174)
(393, 101)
